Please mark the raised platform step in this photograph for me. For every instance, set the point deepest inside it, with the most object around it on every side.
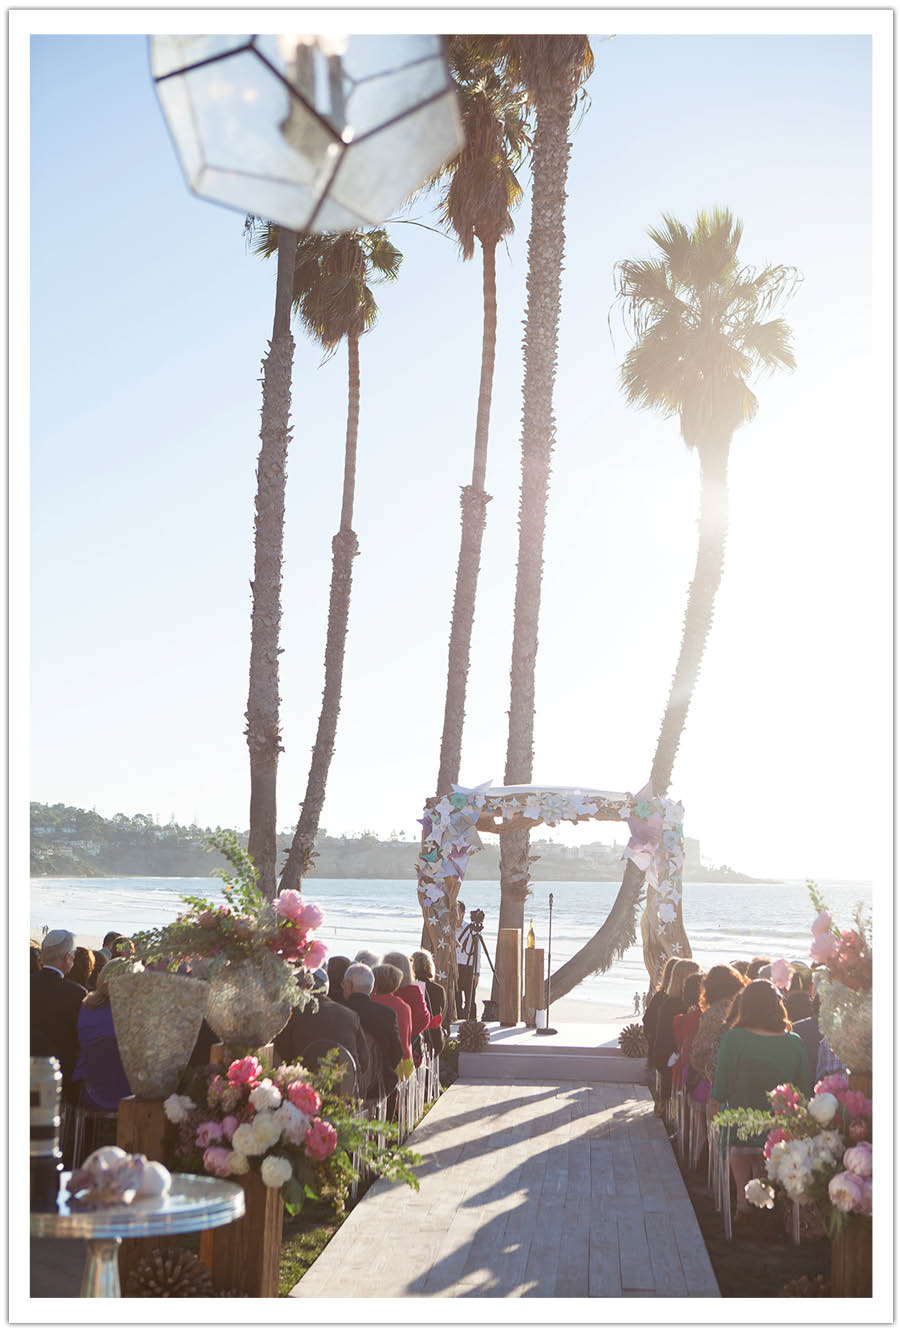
(566, 1064)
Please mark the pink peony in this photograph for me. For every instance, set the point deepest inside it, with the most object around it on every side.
(858, 1129)
(229, 1124)
(847, 1192)
(781, 973)
(822, 923)
(858, 1159)
(215, 1161)
(777, 1135)
(305, 1098)
(834, 1083)
(208, 1133)
(245, 1071)
(312, 916)
(321, 1139)
(289, 903)
(823, 947)
(316, 954)
(784, 1099)
(856, 1103)
(866, 1203)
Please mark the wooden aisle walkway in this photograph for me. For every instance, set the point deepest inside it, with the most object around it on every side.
(528, 1188)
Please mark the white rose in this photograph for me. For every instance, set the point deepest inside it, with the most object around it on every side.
(266, 1130)
(823, 1107)
(244, 1141)
(266, 1096)
(177, 1108)
(292, 1122)
(276, 1170)
(238, 1163)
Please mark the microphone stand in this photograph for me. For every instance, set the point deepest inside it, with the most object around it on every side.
(548, 1030)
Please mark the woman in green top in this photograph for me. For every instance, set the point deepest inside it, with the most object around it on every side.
(757, 1052)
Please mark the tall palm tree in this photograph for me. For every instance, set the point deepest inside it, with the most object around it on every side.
(263, 731)
(480, 192)
(334, 301)
(550, 70)
(703, 326)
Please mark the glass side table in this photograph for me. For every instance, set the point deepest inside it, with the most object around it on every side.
(196, 1202)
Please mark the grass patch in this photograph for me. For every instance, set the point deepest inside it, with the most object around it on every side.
(305, 1236)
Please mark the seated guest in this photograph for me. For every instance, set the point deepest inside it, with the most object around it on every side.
(366, 958)
(664, 1042)
(83, 968)
(756, 965)
(741, 967)
(55, 1005)
(423, 971)
(651, 1012)
(336, 968)
(717, 992)
(757, 1052)
(410, 992)
(35, 950)
(798, 1000)
(123, 947)
(330, 1022)
(99, 1066)
(684, 1027)
(376, 1020)
(387, 978)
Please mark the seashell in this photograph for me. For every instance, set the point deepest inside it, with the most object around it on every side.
(155, 1182)
(104, 1156)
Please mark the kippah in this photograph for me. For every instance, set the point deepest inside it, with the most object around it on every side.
(55, 938)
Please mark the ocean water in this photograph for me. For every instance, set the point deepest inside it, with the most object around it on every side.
(723, 921)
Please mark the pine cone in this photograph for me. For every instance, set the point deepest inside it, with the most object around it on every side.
(169, 1274)
(633, 1041)
(806, 1287)
(473, 1036)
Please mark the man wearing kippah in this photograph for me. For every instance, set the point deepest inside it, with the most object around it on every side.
(55, 1004)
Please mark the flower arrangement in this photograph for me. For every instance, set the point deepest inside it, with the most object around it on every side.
(845, 989)
(818, 1150)
(276, 936)
(287, 1124)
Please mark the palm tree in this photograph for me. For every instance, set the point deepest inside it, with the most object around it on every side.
(703, 327)
(480, 192)
(550, 70)
(263, 732)
(333, 300)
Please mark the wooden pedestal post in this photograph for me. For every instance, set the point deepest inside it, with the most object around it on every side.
(534, 983)
(140, 1128)
(851, 1260)
(509, 972)
(246, 1254)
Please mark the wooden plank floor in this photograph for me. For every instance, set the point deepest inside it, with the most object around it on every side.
(527, 1189)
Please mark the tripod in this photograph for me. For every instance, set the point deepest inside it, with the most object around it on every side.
(477, 928)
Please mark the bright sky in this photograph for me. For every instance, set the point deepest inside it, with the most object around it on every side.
(148, 323)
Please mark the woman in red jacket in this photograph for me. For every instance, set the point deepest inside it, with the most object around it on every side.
(412, 992)
(387, 978)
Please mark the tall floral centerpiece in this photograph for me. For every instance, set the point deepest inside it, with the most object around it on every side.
(257, 955)
(287, 1124)
(845, 988)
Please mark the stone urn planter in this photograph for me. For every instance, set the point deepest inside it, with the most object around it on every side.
(245, 1006)
(157, 1017)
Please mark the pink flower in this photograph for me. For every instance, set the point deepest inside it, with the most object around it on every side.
(781, 973)
(229, 1124)
(847, 1192)
(866, 1202)
(823, 947)
(312, 916)
(208, 1132)
(784, 1099)
(858, 1129)
(777, 1135)
(834, 1083)
(316, 954)
(858, 1159)
(289, 903)
(215, 1161)
(305, 1098)
(245, 1071)
(822, 923)
(856, 1103)
(321, 1139)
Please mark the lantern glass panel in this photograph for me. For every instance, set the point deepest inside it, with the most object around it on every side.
(170, 53)
(379, 91)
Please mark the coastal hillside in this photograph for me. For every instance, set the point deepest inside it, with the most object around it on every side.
(77, 843)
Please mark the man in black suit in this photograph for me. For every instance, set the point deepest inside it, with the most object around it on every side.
(376, 1020)
(55, 1005)
(335, 1023)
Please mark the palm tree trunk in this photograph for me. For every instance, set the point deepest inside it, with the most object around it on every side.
(473, 501)
(263, 733)
(546, 244)
(344, 547)
(618, 930)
